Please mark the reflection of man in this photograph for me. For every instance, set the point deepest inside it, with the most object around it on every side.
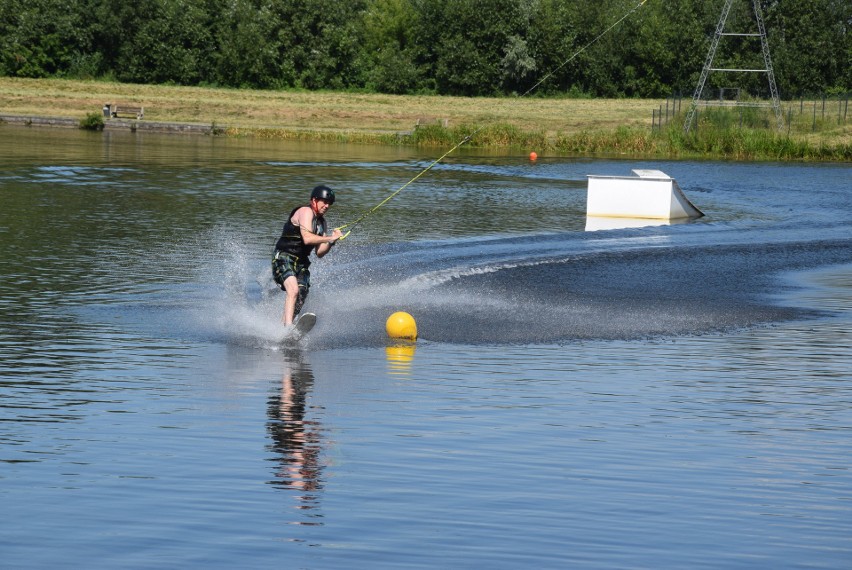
(295, 439)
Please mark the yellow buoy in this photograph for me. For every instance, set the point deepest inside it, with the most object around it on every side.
(401, 325)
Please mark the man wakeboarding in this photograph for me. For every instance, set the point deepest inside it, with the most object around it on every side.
(304, 232)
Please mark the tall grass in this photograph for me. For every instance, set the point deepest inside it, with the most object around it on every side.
(745, 134)
(489, 135)
(739, 134)
(751, 134)
(725, 140)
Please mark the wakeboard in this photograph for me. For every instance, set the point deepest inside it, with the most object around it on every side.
(303, 325)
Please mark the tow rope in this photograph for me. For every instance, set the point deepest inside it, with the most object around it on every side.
(467, 139)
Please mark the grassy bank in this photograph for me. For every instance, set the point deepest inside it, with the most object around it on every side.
(565, 126)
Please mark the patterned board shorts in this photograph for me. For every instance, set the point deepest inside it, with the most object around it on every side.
(284, 266)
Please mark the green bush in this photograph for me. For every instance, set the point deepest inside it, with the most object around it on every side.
(93, 122)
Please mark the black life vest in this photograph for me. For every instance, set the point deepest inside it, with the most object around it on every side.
(291, 241)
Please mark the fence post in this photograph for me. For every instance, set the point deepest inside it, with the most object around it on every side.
(813, 125)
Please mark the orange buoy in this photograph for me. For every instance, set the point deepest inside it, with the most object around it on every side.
(533, 156)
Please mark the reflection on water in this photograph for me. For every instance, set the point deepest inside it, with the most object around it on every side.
(297, 438)
(597, 223)
(400, 357)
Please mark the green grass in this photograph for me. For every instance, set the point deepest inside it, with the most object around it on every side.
(558, 126)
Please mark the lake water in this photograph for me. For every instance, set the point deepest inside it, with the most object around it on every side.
(676, 396)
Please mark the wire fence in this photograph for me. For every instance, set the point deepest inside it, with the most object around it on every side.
(818, 112)
(673, 108)
(803, 114)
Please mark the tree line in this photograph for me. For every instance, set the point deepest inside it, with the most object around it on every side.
(452, 47)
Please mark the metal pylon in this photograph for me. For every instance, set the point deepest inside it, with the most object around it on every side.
(708, 66)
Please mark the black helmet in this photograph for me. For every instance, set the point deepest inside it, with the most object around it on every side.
(323, 193)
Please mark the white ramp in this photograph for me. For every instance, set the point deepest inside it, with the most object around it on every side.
(650, 194)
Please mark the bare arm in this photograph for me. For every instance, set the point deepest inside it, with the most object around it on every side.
(304, 218)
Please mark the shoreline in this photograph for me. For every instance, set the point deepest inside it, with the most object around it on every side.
(112, 124)
(371, 136)
(585, 144)
(553, 126)
(549, 126)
